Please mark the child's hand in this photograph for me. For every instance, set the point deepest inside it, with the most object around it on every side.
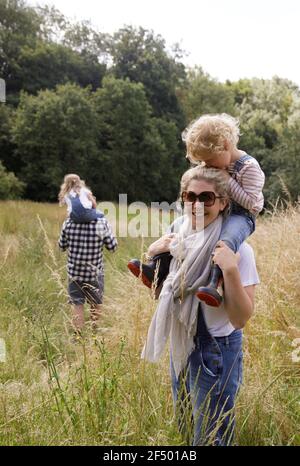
(161, 245)
(93, 200)
(224, 257)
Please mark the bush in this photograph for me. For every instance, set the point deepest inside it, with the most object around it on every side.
(10, 186)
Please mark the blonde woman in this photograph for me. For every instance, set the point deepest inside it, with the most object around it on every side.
(81, 204)
(205, 342)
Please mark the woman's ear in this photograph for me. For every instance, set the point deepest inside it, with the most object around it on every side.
(224, 203)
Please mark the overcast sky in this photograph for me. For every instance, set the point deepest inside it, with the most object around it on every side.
(230, 39)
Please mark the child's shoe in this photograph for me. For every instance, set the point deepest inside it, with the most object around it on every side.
(209, 294)
(157, 268)
(145, 271)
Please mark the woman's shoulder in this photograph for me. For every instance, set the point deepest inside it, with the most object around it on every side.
(247, 265)
(246, 252)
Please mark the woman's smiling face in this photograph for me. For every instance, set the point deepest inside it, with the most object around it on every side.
(198, 210)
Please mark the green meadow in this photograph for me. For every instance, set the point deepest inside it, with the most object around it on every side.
(97, 391)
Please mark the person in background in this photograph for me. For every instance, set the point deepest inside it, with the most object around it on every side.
(81, 204)
(84, 243)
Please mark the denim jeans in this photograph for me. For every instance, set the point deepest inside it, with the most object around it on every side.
(205, 392)
(236, 228)
(80, 214)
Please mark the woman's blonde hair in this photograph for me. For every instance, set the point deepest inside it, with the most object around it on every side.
(214, 176)
(71, 181)
(208, 134)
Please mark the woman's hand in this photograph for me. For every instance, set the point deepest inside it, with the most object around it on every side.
(224, 257)
(238, 299)
(161, 245)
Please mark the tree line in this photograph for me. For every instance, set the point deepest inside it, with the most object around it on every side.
(112, 109)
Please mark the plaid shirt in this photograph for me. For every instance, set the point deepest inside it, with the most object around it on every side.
(84, 242)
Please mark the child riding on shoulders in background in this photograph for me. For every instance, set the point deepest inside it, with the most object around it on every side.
(81, 204)
(211, 140)
(84, 235)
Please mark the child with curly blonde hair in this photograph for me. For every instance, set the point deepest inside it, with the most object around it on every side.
(81, 204)
(211, 141)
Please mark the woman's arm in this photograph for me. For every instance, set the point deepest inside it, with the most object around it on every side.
(161, 245)
(238, 300)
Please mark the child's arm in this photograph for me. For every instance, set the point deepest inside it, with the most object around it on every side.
(249, 190)
(63, 243)
(92, 199)
(105, 232)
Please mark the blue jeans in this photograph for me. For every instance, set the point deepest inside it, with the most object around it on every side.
(80, 214)
(205, 392)
(236, 228)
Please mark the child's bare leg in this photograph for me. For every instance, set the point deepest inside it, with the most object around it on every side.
(95, 315)
(78, 317)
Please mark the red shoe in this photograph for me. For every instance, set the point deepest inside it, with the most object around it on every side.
(142, 271)
(209, 295)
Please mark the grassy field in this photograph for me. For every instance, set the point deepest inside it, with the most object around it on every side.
(99, 392)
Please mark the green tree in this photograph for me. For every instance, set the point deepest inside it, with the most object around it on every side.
(143, 57)
(137, 152)
(47, 65)
(265, 109)
(203, 94)
(19, 27)
(80, 36)
(55, 133)
(40, 48)
(284, 182)
(6, 143)
(10, 186)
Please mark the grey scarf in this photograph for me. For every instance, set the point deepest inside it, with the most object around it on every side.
(177, 310)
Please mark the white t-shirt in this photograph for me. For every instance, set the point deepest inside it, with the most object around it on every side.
(216, 318)
(83, 197)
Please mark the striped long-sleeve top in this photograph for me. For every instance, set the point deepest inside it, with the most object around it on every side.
(245, 185)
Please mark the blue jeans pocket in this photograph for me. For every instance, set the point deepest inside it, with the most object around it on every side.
(211, 360)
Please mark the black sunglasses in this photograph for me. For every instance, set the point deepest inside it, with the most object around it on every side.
(207, 197)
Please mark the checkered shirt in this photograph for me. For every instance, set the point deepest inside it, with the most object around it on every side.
(84, 242)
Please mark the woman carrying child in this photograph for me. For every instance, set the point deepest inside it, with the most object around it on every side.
(205, 341)
(211, 141)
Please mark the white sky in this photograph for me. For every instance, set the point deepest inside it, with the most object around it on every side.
(230, 39)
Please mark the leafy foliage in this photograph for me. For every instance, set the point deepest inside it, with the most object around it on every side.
(10, 186)
(136, 149)
(112, 108)
(142, 57)
(204, 94)
(55, 133)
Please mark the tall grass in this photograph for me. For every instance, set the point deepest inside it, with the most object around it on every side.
(54, 391)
